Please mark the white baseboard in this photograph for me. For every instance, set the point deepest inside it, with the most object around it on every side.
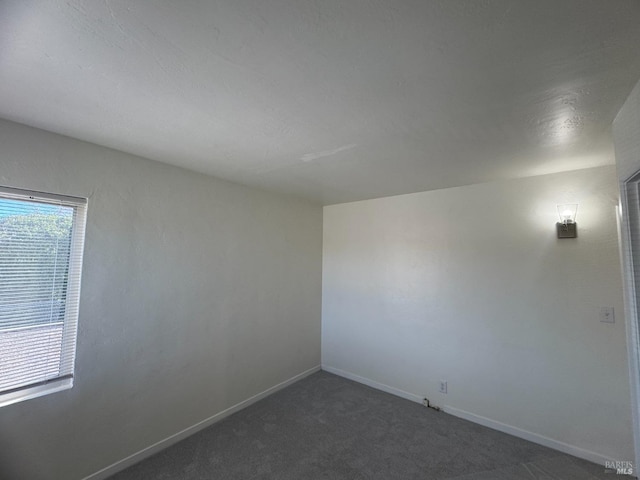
(175, 438)
(532, 437)
(373, 384)
(487, 422)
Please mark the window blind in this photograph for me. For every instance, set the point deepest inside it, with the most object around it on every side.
(41, 246)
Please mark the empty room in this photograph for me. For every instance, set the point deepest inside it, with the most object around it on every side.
(278, 239)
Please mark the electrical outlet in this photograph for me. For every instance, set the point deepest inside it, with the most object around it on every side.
(443, 386)
(607, 315)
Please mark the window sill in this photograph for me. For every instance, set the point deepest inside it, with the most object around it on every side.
(35, 391)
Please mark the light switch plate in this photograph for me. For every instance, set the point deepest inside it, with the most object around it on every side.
(607, 315)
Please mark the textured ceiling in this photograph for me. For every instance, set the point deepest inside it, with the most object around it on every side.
(331, 100)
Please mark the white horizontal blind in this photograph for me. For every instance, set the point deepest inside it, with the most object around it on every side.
(41, 246)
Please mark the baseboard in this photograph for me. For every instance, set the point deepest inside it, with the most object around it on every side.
(175, 438)
(373, 384)
(526, 435)
(487, 422)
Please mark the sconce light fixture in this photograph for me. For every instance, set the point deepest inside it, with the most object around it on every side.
(567, 226)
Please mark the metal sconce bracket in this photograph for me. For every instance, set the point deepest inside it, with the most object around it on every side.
(567, 230)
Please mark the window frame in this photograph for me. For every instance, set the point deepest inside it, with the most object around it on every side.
(71, 316)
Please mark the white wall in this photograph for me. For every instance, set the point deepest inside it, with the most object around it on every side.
(196, 294)
(626, 133)
(470, 285)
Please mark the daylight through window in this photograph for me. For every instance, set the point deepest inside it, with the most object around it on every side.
(41, 245)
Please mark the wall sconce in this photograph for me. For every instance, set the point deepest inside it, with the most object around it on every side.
(567, 226)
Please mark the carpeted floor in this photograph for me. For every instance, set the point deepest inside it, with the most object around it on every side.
(327, 427)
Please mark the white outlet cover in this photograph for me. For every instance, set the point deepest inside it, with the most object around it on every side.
(443, 386)
(607, 315)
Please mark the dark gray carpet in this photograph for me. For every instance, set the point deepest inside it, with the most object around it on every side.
(327, 427)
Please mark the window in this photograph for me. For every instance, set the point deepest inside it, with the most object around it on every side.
(41, 244)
